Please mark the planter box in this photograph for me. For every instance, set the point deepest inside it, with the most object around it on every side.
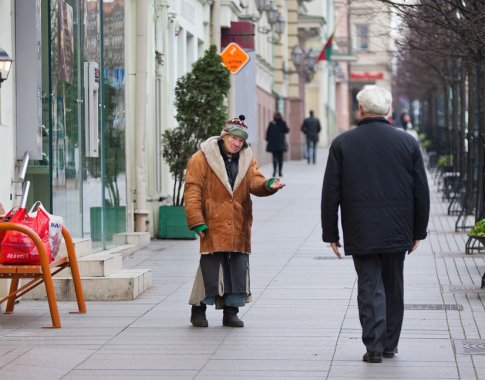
(173, 223)
(115, 221)
(481, 239)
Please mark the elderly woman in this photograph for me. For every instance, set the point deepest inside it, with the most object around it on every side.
(220, 178)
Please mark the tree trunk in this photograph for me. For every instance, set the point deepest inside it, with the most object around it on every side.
(434, 122)
(447, 130)
(462, 145)
(455, 139)
(471, 149)
(481, 139)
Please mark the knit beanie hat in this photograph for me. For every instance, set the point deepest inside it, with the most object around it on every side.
(236, 127)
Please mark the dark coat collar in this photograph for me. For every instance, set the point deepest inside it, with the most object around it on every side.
(369, 120)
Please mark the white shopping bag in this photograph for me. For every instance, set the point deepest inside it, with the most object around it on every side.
(55, 228)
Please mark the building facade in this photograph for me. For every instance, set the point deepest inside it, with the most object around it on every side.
(92, 89)
(370, 33)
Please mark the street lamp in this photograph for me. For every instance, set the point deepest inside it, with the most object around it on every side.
(261, 5)
(278, 27)
(280, 24)
(275, 19)
(5, 63)
(310, 60)
(305, 63)
(296, 56)
(272, 13)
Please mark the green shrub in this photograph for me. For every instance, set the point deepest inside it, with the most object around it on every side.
(445, 161)
(478, 229)
(200, 102)
(426, 144)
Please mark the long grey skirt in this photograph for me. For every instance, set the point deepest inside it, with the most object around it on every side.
(220, 275)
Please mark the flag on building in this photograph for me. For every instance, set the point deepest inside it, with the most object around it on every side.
(326, 53)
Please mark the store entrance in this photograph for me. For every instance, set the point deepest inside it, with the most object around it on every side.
(82, 174)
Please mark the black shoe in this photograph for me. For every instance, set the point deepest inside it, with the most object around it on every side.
(389, 353)
(372, 357)
(197, 317)
(230, 318)
(281, 174)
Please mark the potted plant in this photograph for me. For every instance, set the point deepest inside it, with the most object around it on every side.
(478, 231)
(200, 102)
(445, 162)
(425, 143)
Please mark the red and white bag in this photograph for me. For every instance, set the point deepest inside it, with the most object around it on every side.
(55, 227)
(17, 247)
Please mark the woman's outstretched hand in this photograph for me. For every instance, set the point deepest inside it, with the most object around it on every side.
(276, 185)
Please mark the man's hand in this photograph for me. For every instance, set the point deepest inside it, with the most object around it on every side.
(201, 234)
(276, 185)
(414, 246)
(335, 248)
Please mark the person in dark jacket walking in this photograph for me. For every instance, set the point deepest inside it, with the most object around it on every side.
(311, 128)
(375, 174)
(275, 136)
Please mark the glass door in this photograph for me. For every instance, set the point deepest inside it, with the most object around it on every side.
(84, 116)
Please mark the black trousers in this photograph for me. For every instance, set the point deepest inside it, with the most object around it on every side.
(278, 163)
(380, 299)
(311, 146)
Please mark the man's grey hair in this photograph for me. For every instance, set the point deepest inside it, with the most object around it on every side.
(375, 100)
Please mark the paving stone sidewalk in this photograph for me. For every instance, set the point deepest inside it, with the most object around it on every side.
(303, 323)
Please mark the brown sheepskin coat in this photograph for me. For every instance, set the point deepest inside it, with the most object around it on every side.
(210, 200)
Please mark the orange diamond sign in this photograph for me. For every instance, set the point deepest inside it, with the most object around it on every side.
(234, 57)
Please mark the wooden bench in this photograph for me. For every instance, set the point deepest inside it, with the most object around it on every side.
(41, 273)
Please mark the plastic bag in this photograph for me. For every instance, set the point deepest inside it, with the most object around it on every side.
(17, 247)
(55, 227)
(6, 218)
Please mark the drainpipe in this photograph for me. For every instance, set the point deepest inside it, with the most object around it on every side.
(141, 212)
(216, 24)
(216, 40)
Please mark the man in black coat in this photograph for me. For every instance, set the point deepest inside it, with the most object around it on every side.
(375, 174)
(311, 128)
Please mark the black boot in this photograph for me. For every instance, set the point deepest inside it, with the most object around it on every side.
(197, 317)
(230, 318)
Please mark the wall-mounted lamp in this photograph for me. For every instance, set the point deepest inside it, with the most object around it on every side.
(5, 64)
(275, 19)
(261, 6)
(305, 63)
(272, 13)
(310, 60)
(278, 28)
(296, 56)
(280, 24)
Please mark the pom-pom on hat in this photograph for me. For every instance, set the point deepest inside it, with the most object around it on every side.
(236, 127)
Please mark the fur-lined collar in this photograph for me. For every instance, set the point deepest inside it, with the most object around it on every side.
(212, 154)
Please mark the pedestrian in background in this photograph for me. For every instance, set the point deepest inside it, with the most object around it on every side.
(220, 178)
(375, 174)
(405, 119)
(311, 128)
(277, 145)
